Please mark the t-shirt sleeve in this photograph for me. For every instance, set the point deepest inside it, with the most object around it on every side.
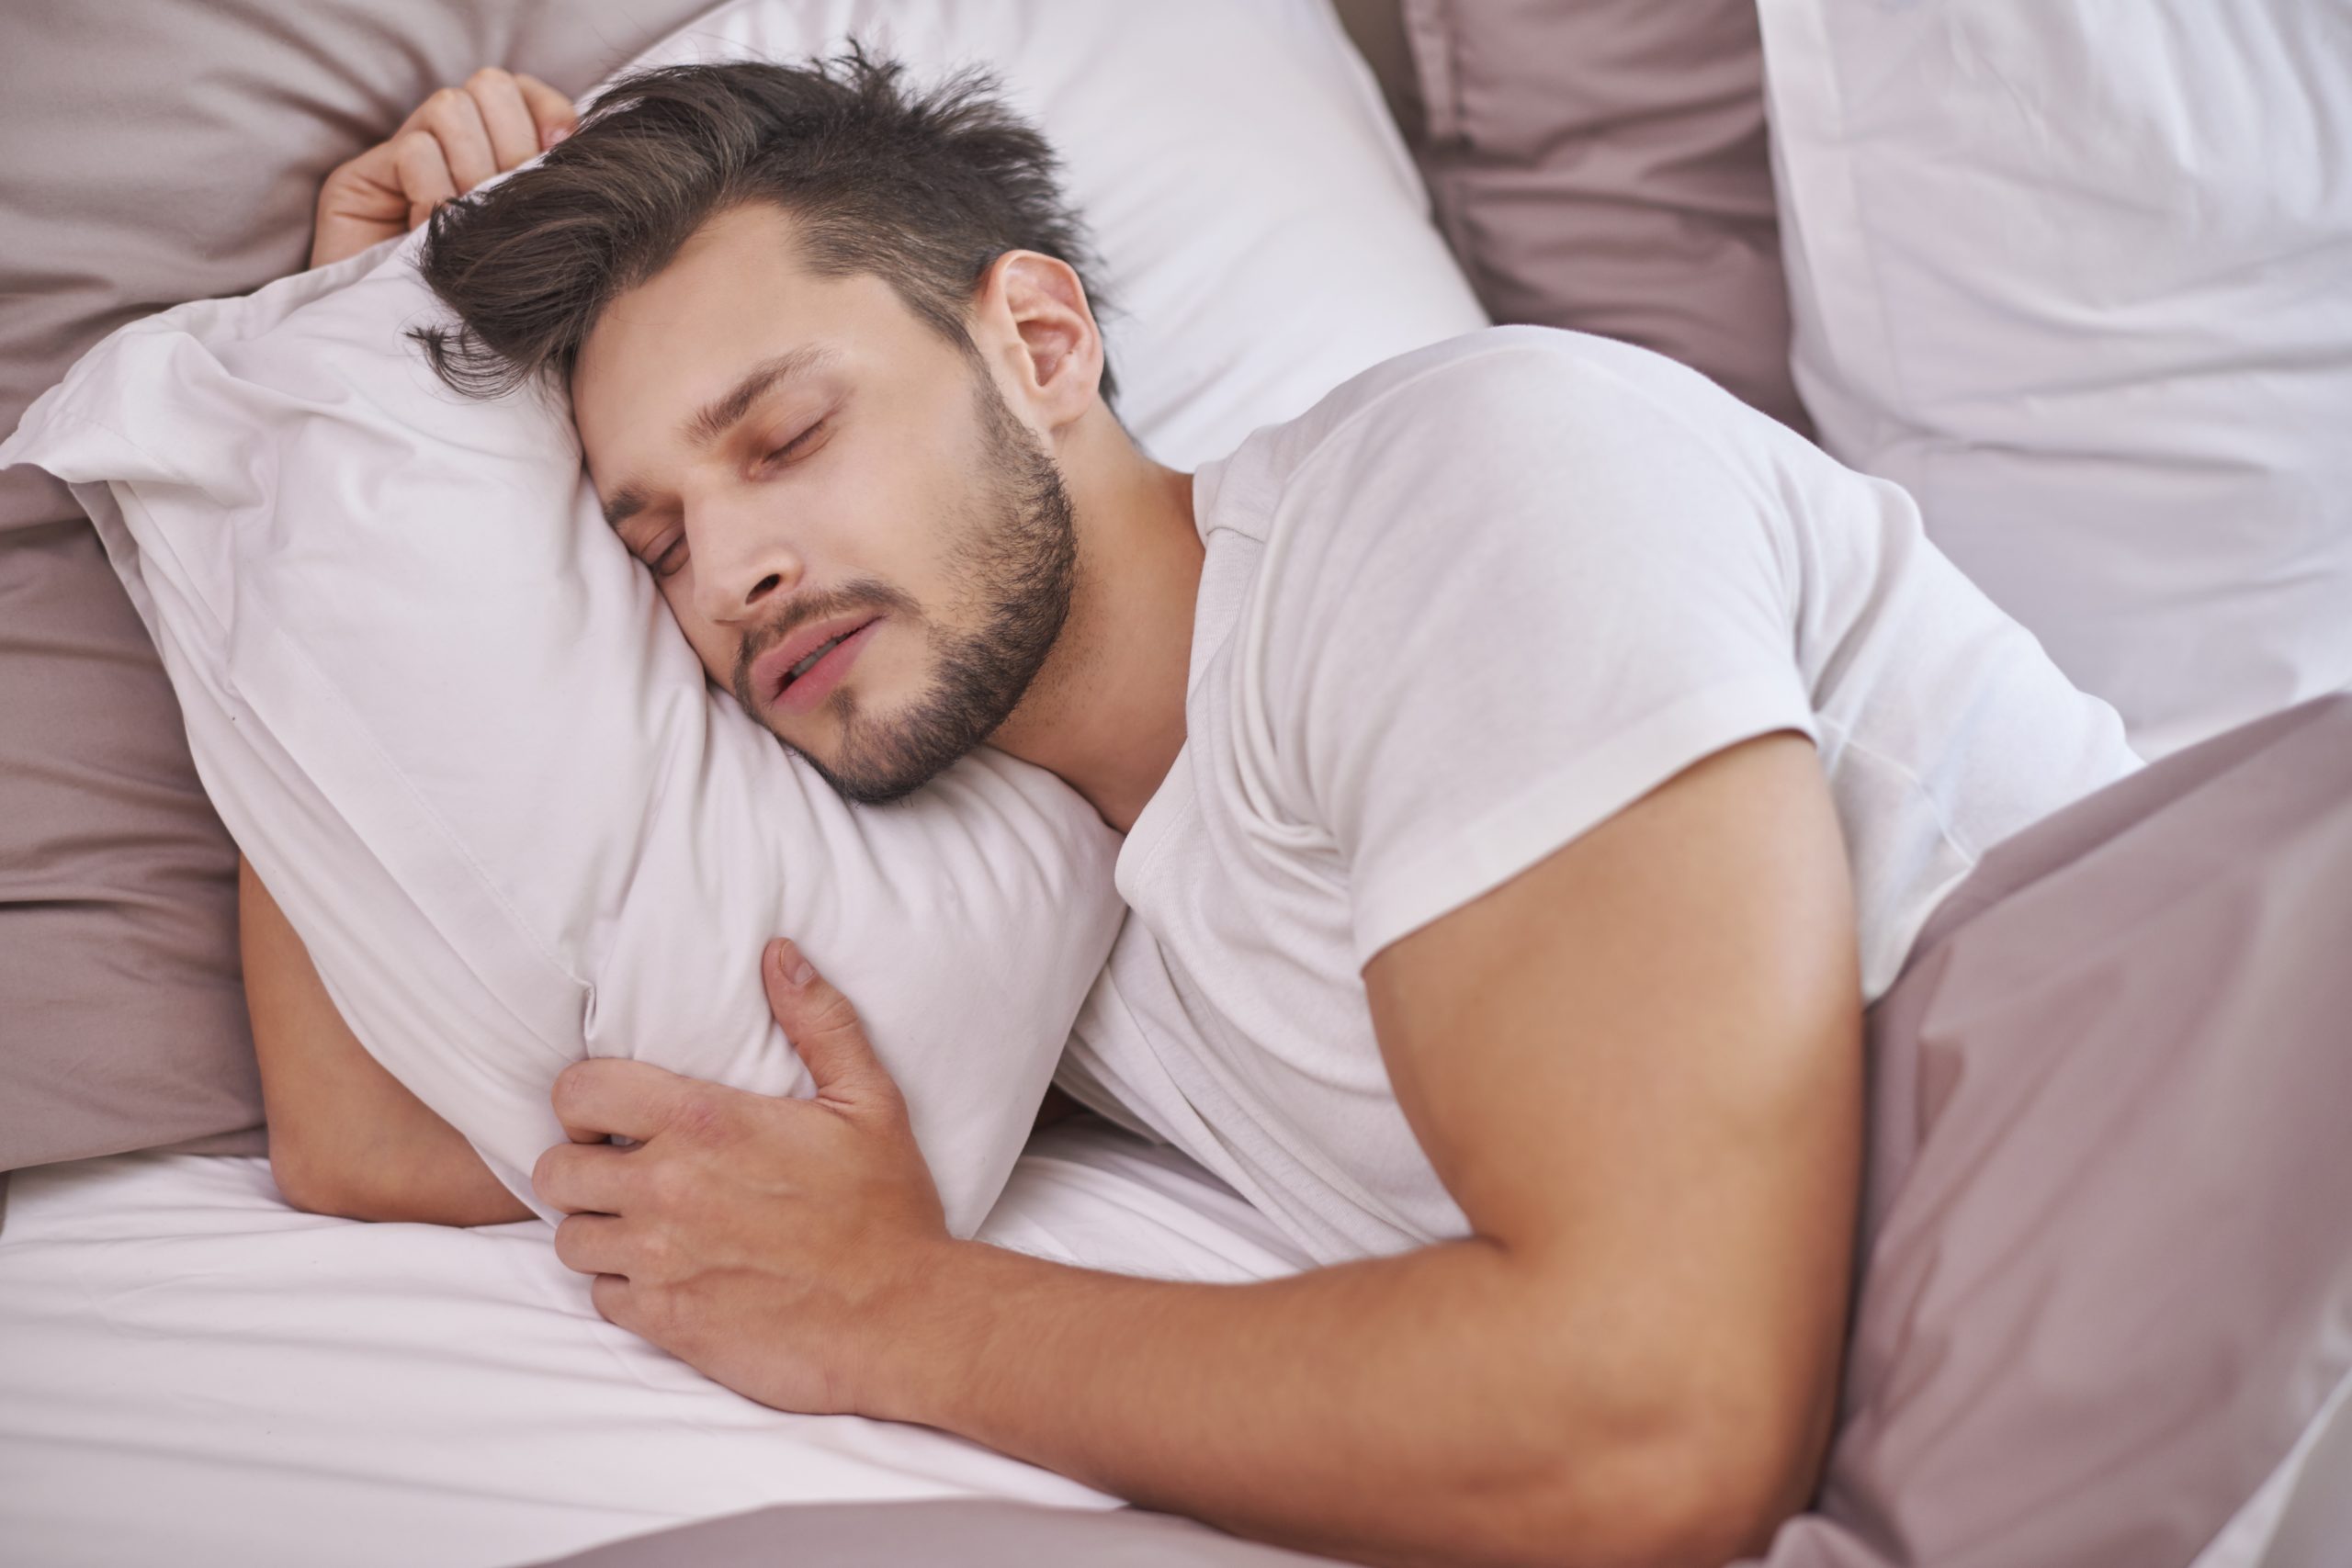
(1505, 602)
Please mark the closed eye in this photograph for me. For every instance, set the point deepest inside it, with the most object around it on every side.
(671, 558)
(798, 443)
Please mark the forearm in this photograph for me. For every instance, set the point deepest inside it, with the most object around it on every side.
(346, 1137)
(405, 1163)
(434, 1178)
(1431, 1407)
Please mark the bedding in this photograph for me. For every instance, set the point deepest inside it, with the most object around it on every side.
(159, 152)
(193, 1373)
(2073, 273)
(450, 723)
(2106, 1317)
(968, 1534)
(2106, 1257)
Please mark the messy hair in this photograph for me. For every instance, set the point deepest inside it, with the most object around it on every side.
(923, 189)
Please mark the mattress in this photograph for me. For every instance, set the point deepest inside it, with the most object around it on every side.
(194, 1373)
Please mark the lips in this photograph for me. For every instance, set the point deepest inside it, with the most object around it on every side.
(772, 670)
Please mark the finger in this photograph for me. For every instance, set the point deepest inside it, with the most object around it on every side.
(423, 173)
(551, 112)
(592, 1243)
(499, 98)
(585, 1178)
(821, 1025)
(613, 1094)
(454, 118)
(359, 204)
(367, 189)
(609, 1294)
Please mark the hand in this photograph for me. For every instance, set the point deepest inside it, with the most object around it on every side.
(763, 1240)
(457, 139)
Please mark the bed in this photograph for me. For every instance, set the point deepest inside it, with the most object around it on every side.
(192, 1370)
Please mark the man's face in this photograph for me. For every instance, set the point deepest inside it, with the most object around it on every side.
(797, 458)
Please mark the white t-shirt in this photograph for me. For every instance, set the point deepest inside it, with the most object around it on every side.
(1476, 601)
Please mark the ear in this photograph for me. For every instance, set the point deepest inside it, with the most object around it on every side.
(1049, 342)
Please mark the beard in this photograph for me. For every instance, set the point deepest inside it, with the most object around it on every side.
(1017, 552)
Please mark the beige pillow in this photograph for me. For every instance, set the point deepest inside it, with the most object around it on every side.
(1602, 166)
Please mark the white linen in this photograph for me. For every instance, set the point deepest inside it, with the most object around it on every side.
(1477, 600)
(2074, 273)
(451, 724)
(192, 1372)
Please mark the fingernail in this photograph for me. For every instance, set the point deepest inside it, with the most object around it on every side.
(796, 970)
(558, 134)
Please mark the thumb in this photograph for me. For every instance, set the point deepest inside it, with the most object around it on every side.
(821, 1025)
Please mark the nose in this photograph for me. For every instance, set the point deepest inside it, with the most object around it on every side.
(743, 554)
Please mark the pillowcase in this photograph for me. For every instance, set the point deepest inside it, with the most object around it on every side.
(2073, 273)
(450, 722)
(150, 165)
(1603, 166)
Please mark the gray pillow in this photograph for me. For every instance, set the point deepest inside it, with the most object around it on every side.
(160, 151)
(1602, 166)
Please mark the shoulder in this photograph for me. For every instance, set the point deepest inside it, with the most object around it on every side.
(1547, 363)
(1516, 522)
(1485, 419)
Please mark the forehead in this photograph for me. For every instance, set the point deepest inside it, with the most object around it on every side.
(737, 294)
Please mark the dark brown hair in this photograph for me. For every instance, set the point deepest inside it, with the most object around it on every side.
(923, 190)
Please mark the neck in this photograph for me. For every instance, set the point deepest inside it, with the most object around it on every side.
(1106, 711)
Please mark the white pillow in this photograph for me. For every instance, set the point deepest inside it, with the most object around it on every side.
(2079, 275)
(463, 741)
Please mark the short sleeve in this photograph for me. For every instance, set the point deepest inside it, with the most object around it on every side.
(1506, 599)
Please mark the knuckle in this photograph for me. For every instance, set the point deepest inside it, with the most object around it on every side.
(491, 76)
(567, 1242)
(547, 1171)
(703, 1114)
(411, 145)
(834, 1013)
(667, 1184)
(570, 1085)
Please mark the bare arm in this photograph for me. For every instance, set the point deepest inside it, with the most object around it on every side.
(1637, 1066)
(346, 1136)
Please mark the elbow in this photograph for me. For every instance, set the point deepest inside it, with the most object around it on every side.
(300, 1180)
(313, 1185)
(1708, 1490)
(1710, 1506)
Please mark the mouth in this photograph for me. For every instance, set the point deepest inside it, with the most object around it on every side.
(799, 672)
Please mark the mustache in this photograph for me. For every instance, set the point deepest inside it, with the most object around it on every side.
(858, 597)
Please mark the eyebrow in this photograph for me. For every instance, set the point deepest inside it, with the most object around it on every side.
(722, 414)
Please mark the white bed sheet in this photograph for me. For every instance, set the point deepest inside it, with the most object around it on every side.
(193, 1373)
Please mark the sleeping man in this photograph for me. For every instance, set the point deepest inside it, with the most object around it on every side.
(1532, 762)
